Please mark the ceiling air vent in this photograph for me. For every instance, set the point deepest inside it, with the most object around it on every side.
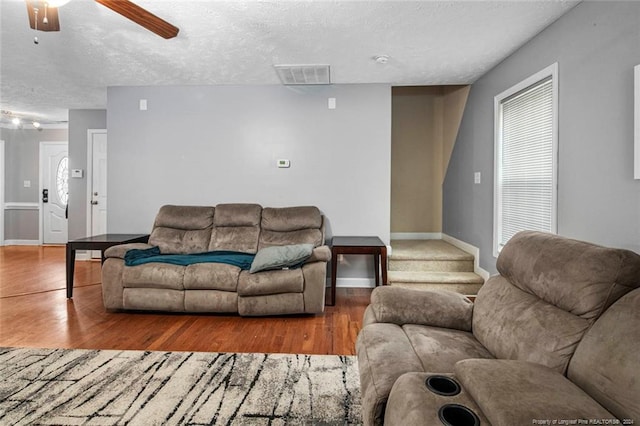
(292, 75)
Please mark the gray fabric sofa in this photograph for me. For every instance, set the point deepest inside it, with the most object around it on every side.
(555, 337)
(218, 287)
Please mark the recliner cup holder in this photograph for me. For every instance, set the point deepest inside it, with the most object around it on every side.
(457, 415)
(442, 385)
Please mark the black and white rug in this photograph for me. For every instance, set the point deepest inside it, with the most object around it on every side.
(107, 387)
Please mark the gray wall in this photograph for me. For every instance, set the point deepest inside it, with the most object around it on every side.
(22, 159)
(79, 122)
(204, 145)
(596, 46)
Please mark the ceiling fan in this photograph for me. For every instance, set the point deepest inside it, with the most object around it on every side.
(43, 16)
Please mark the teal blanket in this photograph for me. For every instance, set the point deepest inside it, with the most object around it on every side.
(139, 257)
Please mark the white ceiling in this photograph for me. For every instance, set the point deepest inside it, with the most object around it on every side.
(238, 42)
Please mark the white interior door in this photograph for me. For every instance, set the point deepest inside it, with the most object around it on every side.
(54, 161)
(98, 180)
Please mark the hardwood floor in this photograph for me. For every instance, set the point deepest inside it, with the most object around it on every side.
(34, 312)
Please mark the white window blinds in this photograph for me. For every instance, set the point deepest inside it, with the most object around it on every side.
(525, 162)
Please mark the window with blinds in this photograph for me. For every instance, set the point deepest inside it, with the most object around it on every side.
(525, 157)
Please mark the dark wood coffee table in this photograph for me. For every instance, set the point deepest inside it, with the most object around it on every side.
(97, 242)
(358, 245)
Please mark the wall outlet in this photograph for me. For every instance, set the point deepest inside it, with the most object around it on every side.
(143, 104)
(27, 184)
(477, 178)
(331, 103)
(76, 173)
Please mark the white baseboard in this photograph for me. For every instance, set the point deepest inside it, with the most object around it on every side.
(83, 255)
(475, 251)
(21, 242)
(353, 282)
(416, 235)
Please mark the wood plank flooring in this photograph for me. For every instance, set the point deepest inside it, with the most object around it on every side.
(34, 312)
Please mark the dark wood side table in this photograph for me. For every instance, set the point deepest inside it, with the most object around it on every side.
(97, 242)
(358, 245)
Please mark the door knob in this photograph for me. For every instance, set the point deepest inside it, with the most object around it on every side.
(94, 203)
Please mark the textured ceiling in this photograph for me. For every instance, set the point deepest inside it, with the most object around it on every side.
(237, 42)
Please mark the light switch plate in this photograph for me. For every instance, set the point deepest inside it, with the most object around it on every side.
(331, 103)
(477, 178)
(27, 184)
(284, 164)
(76, 173)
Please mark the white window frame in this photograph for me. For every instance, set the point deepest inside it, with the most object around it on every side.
(550, 71)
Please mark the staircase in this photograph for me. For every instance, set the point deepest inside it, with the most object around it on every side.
(432, 264)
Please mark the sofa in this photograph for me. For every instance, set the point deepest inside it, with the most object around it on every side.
(221, 287)
(553, 339)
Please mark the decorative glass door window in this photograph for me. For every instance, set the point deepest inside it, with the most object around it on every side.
(62, 180)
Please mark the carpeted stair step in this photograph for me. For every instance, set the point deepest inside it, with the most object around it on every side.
(461, 282)
(428, 256)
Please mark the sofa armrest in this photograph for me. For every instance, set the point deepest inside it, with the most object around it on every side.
(438, 308)
(120, 250)
(511, 392)
(320, 254)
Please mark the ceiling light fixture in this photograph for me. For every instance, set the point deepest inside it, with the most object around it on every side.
(47, 5)
(43, 15)
(381, 59)
(17, 119)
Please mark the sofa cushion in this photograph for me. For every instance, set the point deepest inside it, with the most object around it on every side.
(291, 225)
(210, 301)
(182, 229)
(154, 275)
(514, 324)
(153, 299)
(280, 257)
(440, 348)
(271, 304)
(606, 361)
(211, 276)
(237, 214)
(271, 282)
(184, 217)
(288, 219)
(236, 228)
(578, 277)
(519, 393)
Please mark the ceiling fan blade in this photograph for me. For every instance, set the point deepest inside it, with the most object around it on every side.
(141, 17)
(51, 14)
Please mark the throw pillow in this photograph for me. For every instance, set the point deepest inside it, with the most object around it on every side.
(279, 257)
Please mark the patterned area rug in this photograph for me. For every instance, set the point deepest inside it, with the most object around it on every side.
(96, 387)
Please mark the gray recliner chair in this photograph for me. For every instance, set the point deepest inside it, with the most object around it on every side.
(555, 336)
